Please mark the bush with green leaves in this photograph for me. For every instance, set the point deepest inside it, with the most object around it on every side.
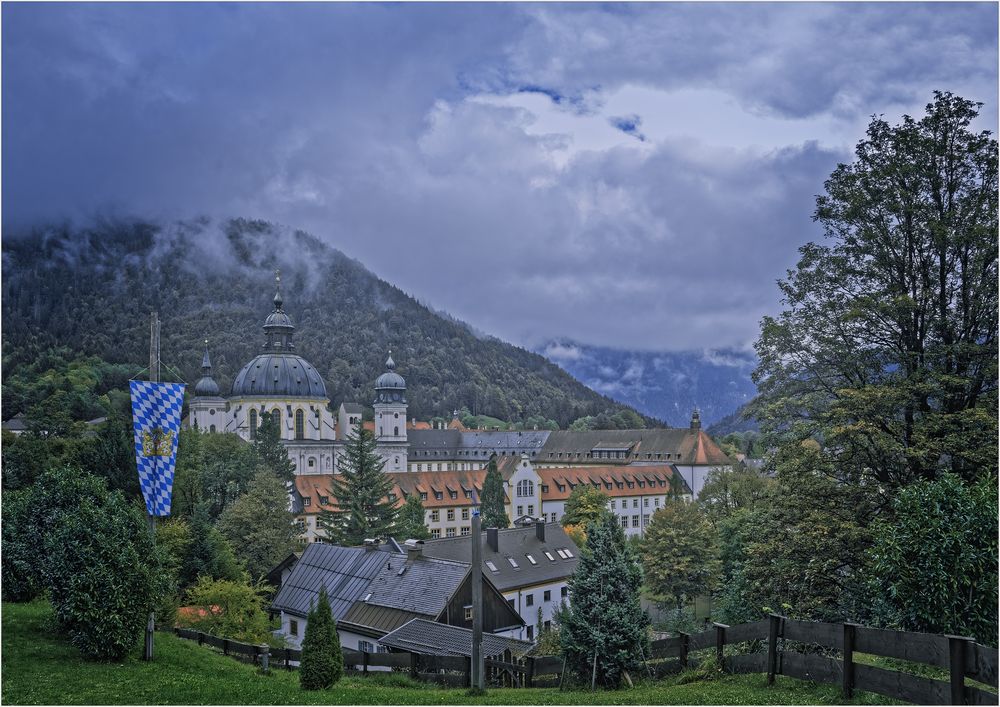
(933, 563)
(103, 575)
(232, 609)
(322, 660)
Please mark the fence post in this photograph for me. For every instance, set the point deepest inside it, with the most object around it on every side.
(288, 658)
(201, 638)
(468, 671)
(720, 642)
(414, 665)
(529, 674)
(265, 659)
(685, 642)
(364, 662)
(849, 635)
(225, 646)
(772, 647)
(956, 661)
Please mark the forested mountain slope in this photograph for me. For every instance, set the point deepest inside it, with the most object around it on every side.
(91, 290)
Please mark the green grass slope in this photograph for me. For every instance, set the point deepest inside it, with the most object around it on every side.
(41, 668)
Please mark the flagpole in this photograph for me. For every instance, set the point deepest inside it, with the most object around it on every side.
(154, 377)
(476, 679)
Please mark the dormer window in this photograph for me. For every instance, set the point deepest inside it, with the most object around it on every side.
(438, 495)
(423, 495)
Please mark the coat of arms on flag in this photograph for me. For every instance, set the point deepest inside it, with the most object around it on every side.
(156, 422)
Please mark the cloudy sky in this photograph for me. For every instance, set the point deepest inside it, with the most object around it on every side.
(634, 176)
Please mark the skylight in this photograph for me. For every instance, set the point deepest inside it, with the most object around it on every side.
(512, 562)
(530, 559)
(561, 553)
(493, 568)
(568, 553)
(549, 555)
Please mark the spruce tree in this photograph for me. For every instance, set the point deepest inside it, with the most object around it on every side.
(411, 520)
(605, 621)
(270, 451)
(361, 492)
(493, 508)
(322, 660)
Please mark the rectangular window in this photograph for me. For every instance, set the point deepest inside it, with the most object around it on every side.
(451, 514)
(645, 520)
(624, 521)
(549, 555)
(513, 562)
(635, 503)
(366, 647)
(435, 532)
(530, 559)
(306, 502)
(656, 502)
(531, 510)
(465, 514)
(468, 613)
(324, 500)
(520, 511)
(531, 633)
(547, 595)
(492, 567)
(293, 627)
(511, 602)
(612, 505)
(435, 516)
(547, 625)
(438, 495)
(453, 495)
(466, 530)
(635, 521)
(423, 495)
(529, 599)
(645, 502)
(450, 533)
(564, 592)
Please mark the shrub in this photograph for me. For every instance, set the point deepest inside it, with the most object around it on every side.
(934, 563)
(229, 609)
(103, 575)
(22, 580)
(322, 661)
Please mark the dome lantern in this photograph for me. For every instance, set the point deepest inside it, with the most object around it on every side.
(390, 387)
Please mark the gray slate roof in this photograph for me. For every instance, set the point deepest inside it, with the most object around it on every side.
(428, 637)
(642, 442)
(279, 375)
(346, 573)
(355, 576)
(352, 408)
(474, 444)
(515, 543)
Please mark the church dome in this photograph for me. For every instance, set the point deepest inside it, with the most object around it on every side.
(279, 375)
(278, 372)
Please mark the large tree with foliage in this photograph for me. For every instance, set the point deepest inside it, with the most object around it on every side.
(605, 626)
(208, 552)
(729, 490)
(933, 564)
(887, 348)
(584, 506)
(410, 523)
(322, 660)
(361, 494)
(680, 554)
(234, 609)
(493, 506)
(258, 525)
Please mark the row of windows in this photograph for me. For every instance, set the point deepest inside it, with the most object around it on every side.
(563, 552)
(608, 485)
(450, 532)
(635, 521)
(635, 503)
(300, 422)
(520, 510)
(449, 514)
(529, 597)
(611, 455)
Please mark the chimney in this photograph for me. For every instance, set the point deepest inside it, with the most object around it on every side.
(371, 544)
(540, 530)
(493, 539)
(414, 549)
(695, 419)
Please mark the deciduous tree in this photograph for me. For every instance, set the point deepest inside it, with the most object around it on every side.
(258, 525)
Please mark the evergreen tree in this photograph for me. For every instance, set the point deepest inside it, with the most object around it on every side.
(361, 492)
(270, 451)
(208, 553)
(492, 506)
(411, 520)
(605, 626)
(259, 525)
(322, 660)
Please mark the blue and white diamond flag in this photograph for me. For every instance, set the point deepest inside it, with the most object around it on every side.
(156, 422)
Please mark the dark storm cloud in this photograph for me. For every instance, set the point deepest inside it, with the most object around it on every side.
(484, 157)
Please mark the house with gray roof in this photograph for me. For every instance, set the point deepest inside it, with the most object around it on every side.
(531, 566)
(422, 636)
(373, 591)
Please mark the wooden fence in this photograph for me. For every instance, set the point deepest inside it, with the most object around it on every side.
(775, 646)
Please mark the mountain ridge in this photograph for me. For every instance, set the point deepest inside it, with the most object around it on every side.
(91, 289)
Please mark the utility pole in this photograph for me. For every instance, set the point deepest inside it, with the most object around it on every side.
(477, 681)
(154, 377)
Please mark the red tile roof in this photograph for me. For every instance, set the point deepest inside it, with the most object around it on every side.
(655, 480)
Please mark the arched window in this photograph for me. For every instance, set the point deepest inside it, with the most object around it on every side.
(253, 424)
(525, 487)
(300, 425)
(276, 416)
(395, 432)
(211, 428)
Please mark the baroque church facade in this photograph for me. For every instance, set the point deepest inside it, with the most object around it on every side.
(637, 469)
